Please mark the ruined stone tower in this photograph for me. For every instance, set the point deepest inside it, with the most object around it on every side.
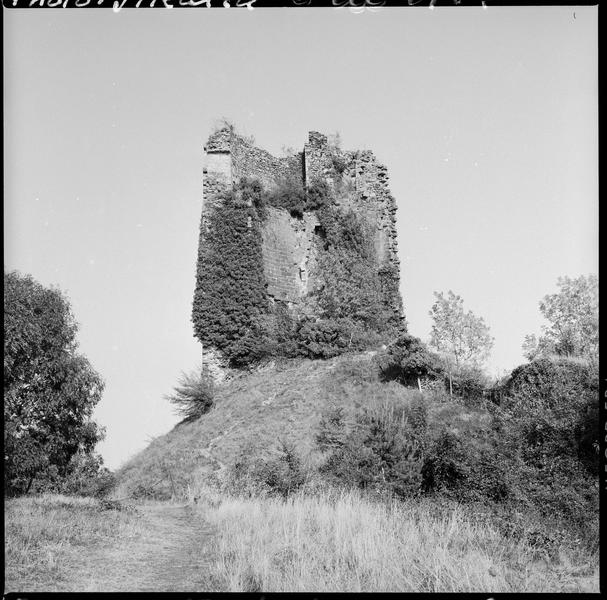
(290, 245)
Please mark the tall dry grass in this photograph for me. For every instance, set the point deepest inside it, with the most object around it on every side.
(340, 541)
(45, 534)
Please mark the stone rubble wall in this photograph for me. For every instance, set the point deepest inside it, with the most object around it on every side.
(249, 161)
(317, 159)
(373, 196)
(215, 365)
(290, 245)
(363, 188)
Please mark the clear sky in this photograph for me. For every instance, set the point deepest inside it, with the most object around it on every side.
(486, 120)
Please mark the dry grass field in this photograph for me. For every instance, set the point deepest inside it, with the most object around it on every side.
(46, 536)
(329, 541)
(340, 541)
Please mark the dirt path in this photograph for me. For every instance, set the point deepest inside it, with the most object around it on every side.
(170, 556)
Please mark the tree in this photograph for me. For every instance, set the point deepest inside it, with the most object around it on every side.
(573, 313)
(461, 337)
(49, 389)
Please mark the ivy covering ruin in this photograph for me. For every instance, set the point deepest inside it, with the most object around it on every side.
(297, 256)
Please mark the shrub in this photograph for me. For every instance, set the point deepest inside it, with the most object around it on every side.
(290, 195)
(339, 163)
(280, 331)
(87, 477)
(552, 381)
(285, 474)
(554, 405)
(536, 457)
(407, 360)
(194, 394)
(548, 425)
(389, 447)
(338, 160)
(252, 474)
(469, 382)
(331, 429)
(318, 195)
(382, 451)
(587, 432)
(84, 475)
(470, 468)
(444, 467)
(324, 338)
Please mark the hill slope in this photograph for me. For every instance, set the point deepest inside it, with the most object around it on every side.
(254, 412)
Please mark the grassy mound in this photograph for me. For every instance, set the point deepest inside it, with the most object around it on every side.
(255, 412)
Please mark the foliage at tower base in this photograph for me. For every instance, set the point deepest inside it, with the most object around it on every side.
(49, 390)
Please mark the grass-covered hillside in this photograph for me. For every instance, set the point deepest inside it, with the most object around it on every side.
(255, 412)
(407, 490)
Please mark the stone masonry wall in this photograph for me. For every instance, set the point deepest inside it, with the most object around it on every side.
(287, 244)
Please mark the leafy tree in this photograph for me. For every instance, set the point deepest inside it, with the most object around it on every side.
(573, 314)
(49, 389)
(461, 337)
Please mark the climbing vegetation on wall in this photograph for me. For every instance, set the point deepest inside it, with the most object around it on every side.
(351, 286)
(352, 303)
(230, 297)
